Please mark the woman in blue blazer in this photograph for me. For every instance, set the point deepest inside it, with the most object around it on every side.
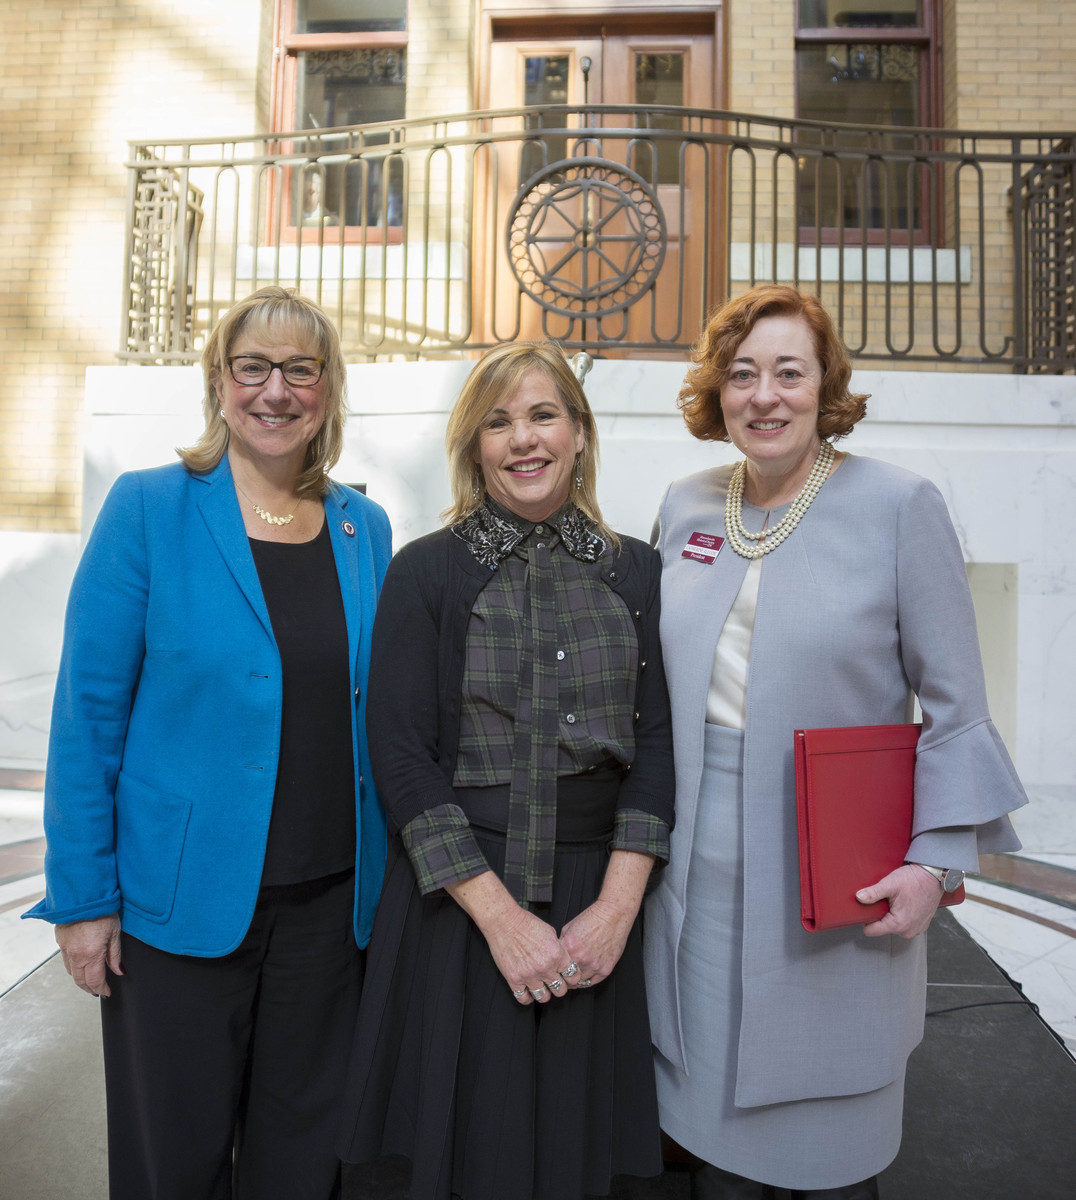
(215, 843)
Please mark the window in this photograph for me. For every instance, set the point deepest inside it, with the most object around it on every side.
(342, 62)
(866, 62)
(659, 79)
(545, 81)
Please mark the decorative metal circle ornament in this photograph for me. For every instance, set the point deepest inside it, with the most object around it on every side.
(586, 237)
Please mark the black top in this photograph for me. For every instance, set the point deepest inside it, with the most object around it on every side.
(312, 830)
(417, 666)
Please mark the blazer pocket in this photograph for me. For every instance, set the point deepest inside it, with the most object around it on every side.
(151, 829)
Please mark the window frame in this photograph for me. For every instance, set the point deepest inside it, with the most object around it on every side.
(287, 46)
(926, 38)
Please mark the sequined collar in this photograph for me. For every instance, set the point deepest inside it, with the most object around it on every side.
(492, 532)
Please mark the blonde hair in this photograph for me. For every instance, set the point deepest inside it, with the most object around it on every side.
(496, 376)
(275, 314)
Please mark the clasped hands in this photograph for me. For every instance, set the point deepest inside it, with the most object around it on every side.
(538, 965)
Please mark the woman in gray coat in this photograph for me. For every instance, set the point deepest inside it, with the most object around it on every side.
(801, 588)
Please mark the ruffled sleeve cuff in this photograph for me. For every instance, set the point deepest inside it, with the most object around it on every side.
(967, 780)
(946, 848)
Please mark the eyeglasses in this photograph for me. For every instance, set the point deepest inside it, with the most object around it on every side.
(251, 370)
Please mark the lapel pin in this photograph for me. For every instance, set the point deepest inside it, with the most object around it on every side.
(348, 528)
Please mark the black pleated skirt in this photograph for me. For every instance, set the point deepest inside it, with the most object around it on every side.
(487, 1099)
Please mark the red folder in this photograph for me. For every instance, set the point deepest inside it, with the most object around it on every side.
(854, 790)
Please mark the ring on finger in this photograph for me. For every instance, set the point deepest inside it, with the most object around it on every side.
(520, 994)
(557, 983)
(573, 969)
(585, 983)
(538, 991)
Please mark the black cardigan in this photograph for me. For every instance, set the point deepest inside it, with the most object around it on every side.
(416, 675)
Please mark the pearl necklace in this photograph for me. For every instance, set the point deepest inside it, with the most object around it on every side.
(738, 536)
(266, 515)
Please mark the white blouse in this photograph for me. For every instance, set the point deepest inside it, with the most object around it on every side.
(726, 701)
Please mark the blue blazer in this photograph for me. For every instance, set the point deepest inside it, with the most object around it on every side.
(166, 721)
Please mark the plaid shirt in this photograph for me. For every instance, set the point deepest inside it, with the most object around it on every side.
(549, 681)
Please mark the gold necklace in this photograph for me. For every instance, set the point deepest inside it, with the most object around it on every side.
(738, 536)
(265, 514)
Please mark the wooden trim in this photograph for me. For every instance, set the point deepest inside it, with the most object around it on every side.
(915, 35)
(294, 43)
(524, 25)
(287, 46)
(719, 256)
(280, 222)
(873, 33)
(927, 39)
(1056, 926)
(350, 235)
(830, 235)
(22, 778)
(614, 22)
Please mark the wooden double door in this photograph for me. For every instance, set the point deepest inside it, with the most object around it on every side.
(584, 240)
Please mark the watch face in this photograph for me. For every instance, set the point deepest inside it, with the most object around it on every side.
(952, 879)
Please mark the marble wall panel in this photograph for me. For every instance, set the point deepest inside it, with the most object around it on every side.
(1002, 449)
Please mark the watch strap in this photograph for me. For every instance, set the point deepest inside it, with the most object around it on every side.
(949, 878)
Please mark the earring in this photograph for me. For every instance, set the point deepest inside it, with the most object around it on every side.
(476, 490)
(578, 474)
(222, 414)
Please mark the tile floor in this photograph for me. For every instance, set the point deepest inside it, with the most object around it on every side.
(1021, 910)
(23, 944)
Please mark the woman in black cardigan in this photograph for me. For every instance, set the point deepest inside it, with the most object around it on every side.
(519, 732)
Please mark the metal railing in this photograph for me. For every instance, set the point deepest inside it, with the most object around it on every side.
(615, 229)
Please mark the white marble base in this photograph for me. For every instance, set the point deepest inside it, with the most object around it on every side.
(1042, 960)
(1047, 826)
(24, 945)
(1001, 447)
(35, 576)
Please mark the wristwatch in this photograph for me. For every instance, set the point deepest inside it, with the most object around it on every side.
(949, 878)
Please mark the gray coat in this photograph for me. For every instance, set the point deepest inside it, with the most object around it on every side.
(866, 602)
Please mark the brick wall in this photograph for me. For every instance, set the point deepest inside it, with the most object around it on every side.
(440, 57)
(79, 80)
(762, 57)
(1004, 65)
(1014, 64)
(82, 79)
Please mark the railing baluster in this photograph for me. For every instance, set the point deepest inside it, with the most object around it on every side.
(199, 211)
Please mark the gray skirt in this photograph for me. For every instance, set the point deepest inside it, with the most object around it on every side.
(805, 1144)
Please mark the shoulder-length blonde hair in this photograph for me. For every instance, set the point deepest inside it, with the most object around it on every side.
(700, 397)
(496, 376)
(275, 314)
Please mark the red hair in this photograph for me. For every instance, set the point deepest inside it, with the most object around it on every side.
(700, 397)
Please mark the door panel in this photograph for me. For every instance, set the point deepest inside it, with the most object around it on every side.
(592, 227)
(527, 73)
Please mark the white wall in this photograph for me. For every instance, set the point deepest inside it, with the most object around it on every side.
(1001, 448)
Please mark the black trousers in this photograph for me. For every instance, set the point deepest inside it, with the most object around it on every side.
(231, 1067)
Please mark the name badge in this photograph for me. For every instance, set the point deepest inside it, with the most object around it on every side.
(703, 547)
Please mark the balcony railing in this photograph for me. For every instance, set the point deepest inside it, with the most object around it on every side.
(614, 229)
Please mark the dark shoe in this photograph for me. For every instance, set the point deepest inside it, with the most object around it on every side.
(711, 1183)
(867, 1190)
